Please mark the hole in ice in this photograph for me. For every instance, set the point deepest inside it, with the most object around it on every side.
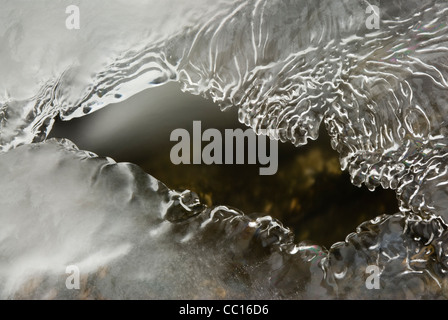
(309, 193)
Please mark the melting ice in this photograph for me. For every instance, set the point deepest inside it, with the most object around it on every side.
(288, 66)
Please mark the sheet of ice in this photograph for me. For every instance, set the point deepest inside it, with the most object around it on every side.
(133, 238)
(286, 65)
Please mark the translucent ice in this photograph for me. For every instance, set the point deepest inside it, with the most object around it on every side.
(133, 238)
(286, 65)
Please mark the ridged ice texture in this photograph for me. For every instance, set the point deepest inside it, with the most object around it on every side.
(410, 253)
(133, 238)
(286, 65)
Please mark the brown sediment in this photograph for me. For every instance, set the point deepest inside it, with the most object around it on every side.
(309, 193)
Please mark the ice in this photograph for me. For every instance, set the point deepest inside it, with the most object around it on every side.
(133, 238)
(290, 66)
(287, 66)
(409, 252)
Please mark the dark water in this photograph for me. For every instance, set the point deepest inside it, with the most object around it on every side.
(309, 193)
(292, 67)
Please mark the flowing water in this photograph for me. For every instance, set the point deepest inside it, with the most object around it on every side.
(288, 66)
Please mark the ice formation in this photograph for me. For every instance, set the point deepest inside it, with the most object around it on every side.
(286, 65)
(132, 237)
